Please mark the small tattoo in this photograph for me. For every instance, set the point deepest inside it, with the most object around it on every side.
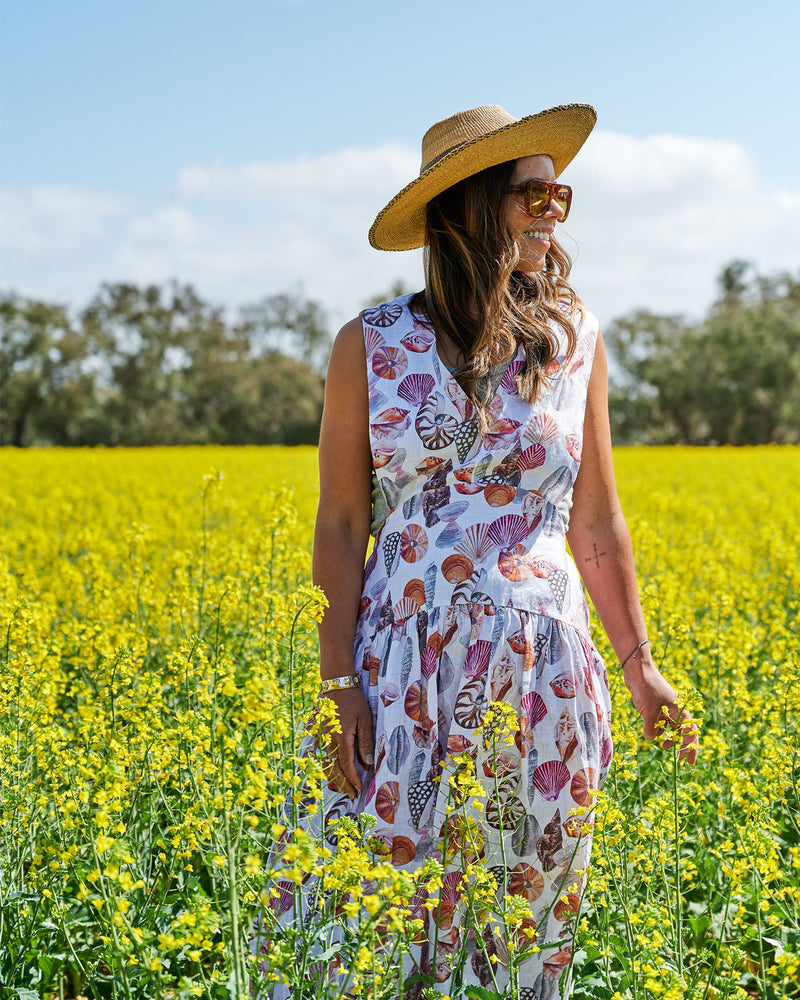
(596, 555)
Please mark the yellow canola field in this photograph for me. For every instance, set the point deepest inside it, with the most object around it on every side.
(158, 660)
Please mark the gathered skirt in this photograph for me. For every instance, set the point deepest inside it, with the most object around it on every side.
(430, 680)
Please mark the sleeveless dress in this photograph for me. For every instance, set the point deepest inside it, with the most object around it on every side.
(470, 597)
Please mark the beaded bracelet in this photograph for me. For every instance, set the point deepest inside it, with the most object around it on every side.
(644, 642)
(338, 683)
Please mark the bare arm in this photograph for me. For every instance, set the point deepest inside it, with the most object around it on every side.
(340, 540)
(601, 546)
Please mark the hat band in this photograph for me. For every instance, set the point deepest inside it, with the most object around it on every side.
(441, 156)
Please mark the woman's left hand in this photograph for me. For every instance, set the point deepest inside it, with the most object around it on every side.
(656, 701)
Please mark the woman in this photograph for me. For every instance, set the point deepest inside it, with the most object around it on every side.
(466, 428)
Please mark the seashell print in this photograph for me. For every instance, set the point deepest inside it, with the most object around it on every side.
(564, 685)
(519, 642)
(465, 436)
(457, 568)
(390, 694)
(550, 778)
(403, 850)
(542, 428)
(419, 795)
(414, 590)
(502, 765)
(573, 825)
(499, 494)
(477, 660)
(500, 433)
(471, 704)
(386, 314)
(514, 563)
(533, 708)
(556, 962)
(404, 609)
(430, 585)
(583, 786)
(283, 901)
(416, 388)
(508, 383)
(574, 446)
(383, 455)
(465, 483)
(476, 544)
(391, 552)
(413, 543)
(429, 661)
(606, 753)
(589, 727)
(415, 771)
(557, 485)
(525, 880)
(566, 735)
(416, 702)
(566, 909)
(436, 428)
(389, 362)
(502, 678)
(526, 835)
(532, 509)
(398, 750)
(508, 530)
(373, 340)
(421, 735)
(390, 423)
(550, 847)
(419, 341)
(387, 800)
(532, 458)
(459, 744)
(504, 808)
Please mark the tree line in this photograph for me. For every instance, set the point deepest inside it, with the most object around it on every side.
(158, 365)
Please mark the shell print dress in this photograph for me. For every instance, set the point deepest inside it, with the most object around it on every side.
(470, 597)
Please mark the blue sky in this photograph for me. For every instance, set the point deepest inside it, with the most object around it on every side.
(246, 146)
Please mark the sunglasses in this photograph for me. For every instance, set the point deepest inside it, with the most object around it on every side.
(541, 193)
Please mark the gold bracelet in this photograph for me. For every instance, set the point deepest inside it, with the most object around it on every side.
(338, 683)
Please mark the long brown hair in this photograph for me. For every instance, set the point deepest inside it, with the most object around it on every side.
(474, 295)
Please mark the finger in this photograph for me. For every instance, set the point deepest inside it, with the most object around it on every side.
(347, 761)
(338, 783)
(366, 743)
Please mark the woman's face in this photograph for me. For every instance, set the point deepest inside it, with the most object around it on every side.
(532, 235)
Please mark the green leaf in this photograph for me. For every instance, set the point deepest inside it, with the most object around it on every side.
(480, 993)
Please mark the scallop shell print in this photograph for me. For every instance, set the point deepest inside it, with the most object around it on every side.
(383, 315)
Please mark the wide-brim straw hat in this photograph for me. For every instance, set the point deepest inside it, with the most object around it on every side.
(469, 142)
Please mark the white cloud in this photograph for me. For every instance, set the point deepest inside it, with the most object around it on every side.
(54, 218)
(654, 220)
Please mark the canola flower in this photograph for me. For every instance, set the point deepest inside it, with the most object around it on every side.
(158, 673)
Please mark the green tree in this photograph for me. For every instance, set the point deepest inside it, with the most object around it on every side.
(733, 378)
(290, 324)
(47, 389)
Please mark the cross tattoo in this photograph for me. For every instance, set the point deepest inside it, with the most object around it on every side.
(596, 555)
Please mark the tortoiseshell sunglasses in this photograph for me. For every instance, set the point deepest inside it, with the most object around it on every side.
(541, 193)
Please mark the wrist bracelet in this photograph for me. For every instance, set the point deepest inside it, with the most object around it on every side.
(338, 683)
(644, 642)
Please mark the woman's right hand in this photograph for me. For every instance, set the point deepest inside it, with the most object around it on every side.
(355, 720)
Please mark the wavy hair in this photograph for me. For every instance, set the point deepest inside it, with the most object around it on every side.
(474, 294)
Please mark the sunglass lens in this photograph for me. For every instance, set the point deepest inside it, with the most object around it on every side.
(563, 198)
(538, 199)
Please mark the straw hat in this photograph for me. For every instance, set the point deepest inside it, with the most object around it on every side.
(469, 142)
